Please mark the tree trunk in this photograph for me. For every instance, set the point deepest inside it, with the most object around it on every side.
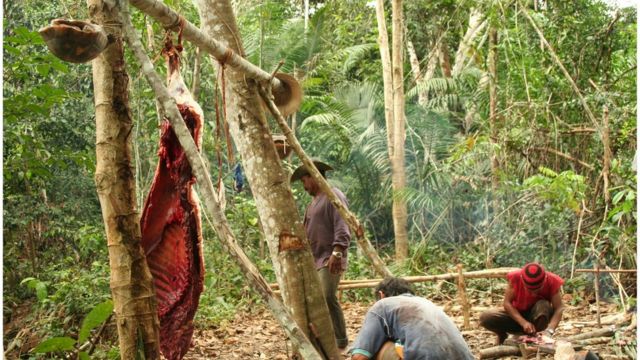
(290, 251)
(415, 70)
(606, 158)
(477, 22)
(493, 104)
(398, 174)
(131, 282)
(387, 77)
(445, 59)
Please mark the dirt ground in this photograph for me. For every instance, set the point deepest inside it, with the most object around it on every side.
(257, 335)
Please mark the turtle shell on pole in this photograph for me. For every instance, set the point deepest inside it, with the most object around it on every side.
(75, 41)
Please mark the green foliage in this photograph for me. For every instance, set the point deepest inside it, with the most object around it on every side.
(564, 190)
(96, 317)
(55, 344)
(38, 286)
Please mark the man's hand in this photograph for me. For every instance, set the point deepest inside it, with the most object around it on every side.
(528, 328)
(335, 265)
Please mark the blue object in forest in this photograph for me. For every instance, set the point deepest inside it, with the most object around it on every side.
(238, 179)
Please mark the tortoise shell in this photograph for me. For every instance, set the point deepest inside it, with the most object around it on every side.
(75, 40)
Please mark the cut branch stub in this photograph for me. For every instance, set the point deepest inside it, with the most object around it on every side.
(75, 41)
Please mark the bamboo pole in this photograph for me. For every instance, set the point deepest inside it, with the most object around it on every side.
(462, 294)
(624, 271)
(210, 199)
(369, 283)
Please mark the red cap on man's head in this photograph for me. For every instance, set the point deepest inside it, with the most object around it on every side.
(533, 275)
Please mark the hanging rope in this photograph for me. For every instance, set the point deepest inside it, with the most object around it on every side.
(227, 56)
(218, 136)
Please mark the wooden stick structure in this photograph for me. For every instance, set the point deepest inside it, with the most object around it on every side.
(596, 286)
(462, 294)
(370, 283)
(624, 271)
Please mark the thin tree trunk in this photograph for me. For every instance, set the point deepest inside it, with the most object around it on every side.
(415, 70)
(387, 77)
(445, 59)
(398, 174)
(131, 282)
(212, 204)
(289, 248)
(477, 23)
(606, 158)
(493, 104)
(306, 15)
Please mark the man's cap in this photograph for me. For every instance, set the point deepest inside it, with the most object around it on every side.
(302, 170)
(533, 275)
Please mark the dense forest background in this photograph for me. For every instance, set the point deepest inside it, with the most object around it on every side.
(564, 196)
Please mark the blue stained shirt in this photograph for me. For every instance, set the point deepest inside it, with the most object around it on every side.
(423, 329)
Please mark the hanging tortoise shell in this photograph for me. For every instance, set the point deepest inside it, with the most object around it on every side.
(75, 40)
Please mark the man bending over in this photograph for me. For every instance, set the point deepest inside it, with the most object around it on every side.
(401, 325)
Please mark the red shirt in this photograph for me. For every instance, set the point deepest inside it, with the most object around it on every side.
(524, 299)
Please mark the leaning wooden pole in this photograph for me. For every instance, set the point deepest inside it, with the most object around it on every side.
(212, 205)
(171, 20)
(347, 215)
(130, 281)
(479, 274)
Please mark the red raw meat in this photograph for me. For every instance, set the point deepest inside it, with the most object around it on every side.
(170, 223)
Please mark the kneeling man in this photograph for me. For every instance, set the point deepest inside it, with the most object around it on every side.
(403, 326)
(532, 303)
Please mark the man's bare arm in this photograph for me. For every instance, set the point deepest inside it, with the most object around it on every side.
(558, 308)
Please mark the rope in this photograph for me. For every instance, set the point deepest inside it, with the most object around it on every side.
(218, 134)
(227, 56)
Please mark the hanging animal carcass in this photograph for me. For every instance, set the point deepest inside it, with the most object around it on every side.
(170, 222)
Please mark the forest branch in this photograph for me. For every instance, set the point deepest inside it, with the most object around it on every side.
(556, 59)
(563, 155)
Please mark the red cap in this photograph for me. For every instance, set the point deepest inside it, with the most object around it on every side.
(533, 275)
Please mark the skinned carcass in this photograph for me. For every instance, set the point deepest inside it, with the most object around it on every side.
(170, 223)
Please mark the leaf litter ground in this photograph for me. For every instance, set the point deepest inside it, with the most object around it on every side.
(255, 334)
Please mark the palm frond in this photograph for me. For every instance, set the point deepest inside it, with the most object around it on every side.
(354, 54)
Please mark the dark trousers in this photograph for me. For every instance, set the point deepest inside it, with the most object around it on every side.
(501, 323)
(330, 283)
